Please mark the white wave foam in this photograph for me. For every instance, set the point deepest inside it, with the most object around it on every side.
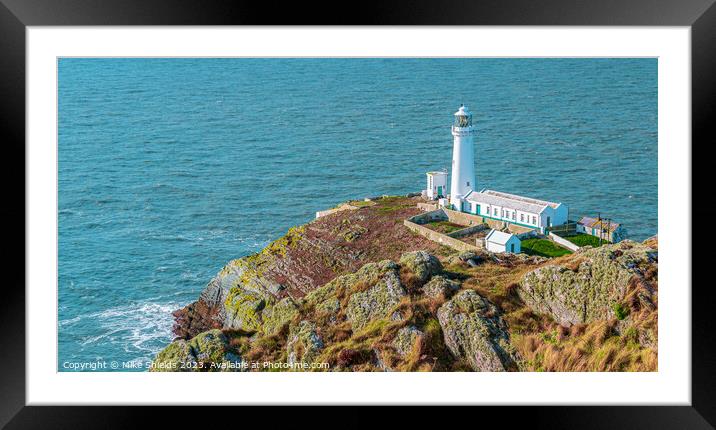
(139, 328)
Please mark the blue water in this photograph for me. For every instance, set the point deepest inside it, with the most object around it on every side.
(168, 168)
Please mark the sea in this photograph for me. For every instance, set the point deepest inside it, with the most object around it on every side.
(170, 167)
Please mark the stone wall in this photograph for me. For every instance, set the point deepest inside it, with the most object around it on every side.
(463, 218)
(343, 207)
(424, 218)
(468, 231)
(427, 207)
(439, 237)
(530, 234)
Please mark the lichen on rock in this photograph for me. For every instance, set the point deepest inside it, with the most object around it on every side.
(326, 299)
(376, 302)
(243, 309)
(208, 351)
(588, 286)
(405, 340)
(276, 316)
(440, 286)
(304, 344)
(422, 264)
(474, 332)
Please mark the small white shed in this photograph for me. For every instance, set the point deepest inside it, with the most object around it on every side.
(437, 185)
(498, 241)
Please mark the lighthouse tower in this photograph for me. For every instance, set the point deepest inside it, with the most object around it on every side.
(462, 180)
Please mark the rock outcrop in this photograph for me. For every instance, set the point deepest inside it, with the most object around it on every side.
(207, 352)
(357, 291)
(422, 264)
(304, 345)
(440, 286)
(307, 257)
(475, 333)
(278, 315)
(375, 302)
(406, 340)
(589, 285)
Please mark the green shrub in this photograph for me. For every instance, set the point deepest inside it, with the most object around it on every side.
(620, 311)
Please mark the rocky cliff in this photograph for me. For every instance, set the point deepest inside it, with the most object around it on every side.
(358, 291)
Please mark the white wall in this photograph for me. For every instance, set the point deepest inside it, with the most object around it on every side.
(433, 182)
(564, 242)
(526, 220)
(496, 247)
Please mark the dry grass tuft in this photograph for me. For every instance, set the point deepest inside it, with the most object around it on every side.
(585, 348)
(410, 281)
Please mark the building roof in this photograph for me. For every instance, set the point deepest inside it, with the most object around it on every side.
(600, 223)
(499, 237)
(522, 198)
(511, 201)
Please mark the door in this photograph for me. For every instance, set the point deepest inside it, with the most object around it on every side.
(549, 224)
(512, 248)
(440, 192)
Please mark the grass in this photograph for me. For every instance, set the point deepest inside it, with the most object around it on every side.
(543, 247)
(361, 203)
(445, 227)
(584, 348)
(392, 204)
(582, 239)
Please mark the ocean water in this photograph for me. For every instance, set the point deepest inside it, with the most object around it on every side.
(169, 168)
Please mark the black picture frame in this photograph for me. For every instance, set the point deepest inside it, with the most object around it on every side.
(16, 15)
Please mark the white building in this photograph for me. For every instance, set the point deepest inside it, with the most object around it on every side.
(437, 185)
(606, 229)
(514, 209)
(498, 241)
(462, 179)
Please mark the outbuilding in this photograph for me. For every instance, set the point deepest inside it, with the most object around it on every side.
(499, 241)
(605, 229)
(437, 185)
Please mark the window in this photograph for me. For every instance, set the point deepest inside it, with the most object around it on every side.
(534, 220)
(494, 212)
(468, 183)
(514, 216)
(522, 217)
(463, 121)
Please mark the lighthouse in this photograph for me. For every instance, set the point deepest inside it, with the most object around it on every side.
(462, 180)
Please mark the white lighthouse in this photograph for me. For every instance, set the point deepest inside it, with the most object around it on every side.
(462, 178)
